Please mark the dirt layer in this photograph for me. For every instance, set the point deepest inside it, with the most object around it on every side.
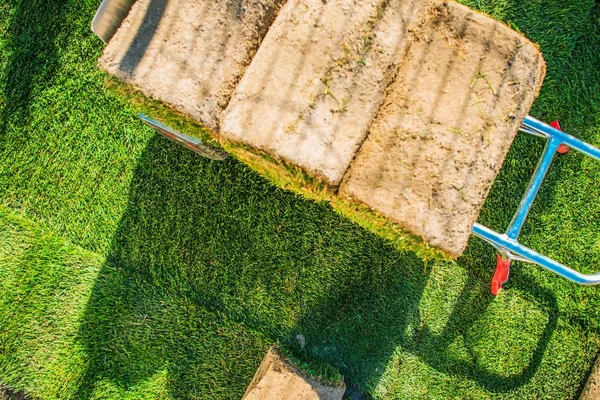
(9, 394)
(277, 379)
(591, 391)
(446, 125)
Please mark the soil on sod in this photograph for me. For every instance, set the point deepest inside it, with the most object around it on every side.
(192, 60)
(9, 394)
(318, 80)
(277, 378)
(447, 124)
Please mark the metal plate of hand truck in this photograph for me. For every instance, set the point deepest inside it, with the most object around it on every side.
(109, 17)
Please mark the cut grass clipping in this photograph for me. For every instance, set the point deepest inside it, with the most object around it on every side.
(132, 268)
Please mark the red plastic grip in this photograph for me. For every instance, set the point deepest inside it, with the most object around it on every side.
(501, 274)
(563, 148)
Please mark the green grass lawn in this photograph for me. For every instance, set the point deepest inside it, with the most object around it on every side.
(132, 268)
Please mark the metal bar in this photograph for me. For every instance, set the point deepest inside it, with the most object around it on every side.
(571, 141)
(194, 144)
(530, 131)
(504, 242)
(532, 190)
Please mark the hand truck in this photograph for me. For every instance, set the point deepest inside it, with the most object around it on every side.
(507, 244)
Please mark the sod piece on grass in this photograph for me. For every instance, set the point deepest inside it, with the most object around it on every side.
(189, 54)
(447, 124)
(277, 379)
(318, 80)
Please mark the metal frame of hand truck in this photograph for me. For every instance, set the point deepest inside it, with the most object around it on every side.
(507, 243)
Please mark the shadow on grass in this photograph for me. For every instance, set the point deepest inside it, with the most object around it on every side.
(33, 44)
(210, 265)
